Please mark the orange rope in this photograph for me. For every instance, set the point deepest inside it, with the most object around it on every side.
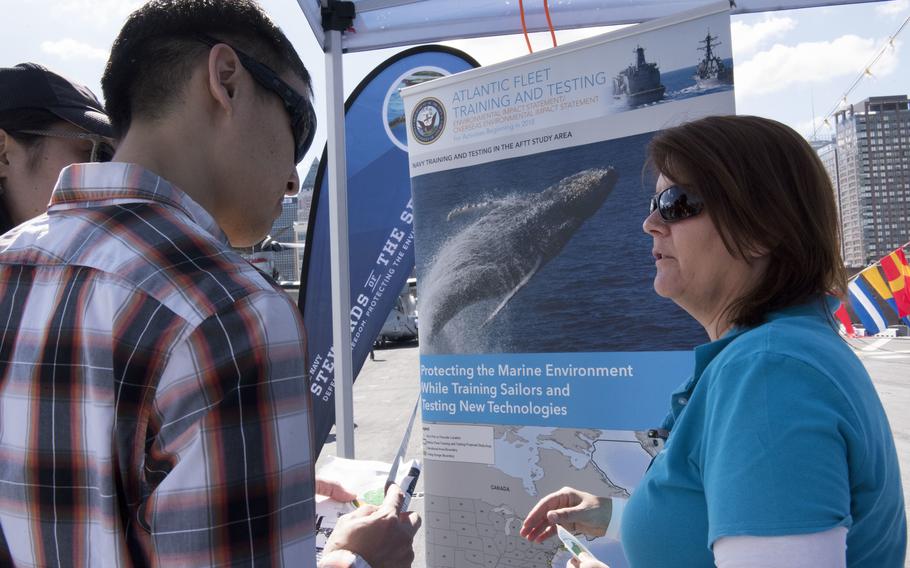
(546, 10)
(524, 27)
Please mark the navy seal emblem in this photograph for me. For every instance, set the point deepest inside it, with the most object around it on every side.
(428, 120)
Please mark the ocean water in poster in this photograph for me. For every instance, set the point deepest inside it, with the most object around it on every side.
(545, 354)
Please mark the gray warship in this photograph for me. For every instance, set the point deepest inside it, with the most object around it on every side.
(711, 71)
(639, 84)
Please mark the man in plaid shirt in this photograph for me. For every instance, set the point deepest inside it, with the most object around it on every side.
(154, 408)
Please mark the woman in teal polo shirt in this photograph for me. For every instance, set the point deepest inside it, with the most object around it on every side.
(778, 450)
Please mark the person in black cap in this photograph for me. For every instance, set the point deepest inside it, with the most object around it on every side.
(46, 123)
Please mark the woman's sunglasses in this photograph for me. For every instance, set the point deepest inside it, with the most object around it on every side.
(675, 204)
(102, 147)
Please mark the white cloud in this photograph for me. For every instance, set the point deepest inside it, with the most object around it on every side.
(747, 38)
(893, 8)
(98, 12)
(68, 48)
(805, 127)
(784, 66)
(808, 128)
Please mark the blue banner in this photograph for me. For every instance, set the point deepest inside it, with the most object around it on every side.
(380, 219)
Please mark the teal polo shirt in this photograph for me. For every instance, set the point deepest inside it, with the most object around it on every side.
(779, 431)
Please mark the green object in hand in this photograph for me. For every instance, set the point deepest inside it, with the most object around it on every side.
(374, 497)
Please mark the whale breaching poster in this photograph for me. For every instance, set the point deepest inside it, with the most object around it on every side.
(545, 354)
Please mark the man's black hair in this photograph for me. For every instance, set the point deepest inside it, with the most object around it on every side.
(154, 55)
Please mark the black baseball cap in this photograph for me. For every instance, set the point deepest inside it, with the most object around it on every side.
(29, 85)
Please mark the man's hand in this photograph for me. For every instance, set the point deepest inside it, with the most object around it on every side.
(383, 536)
(585, 560)
(575, 510)
(333, 490)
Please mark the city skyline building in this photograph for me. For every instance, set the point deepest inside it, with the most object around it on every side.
(286, 262)
(280, 255)
(290, 229)
(868, 162)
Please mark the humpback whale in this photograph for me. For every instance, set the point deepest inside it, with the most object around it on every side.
(494, 256)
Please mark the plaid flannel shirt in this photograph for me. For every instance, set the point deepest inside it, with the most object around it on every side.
(153, 402)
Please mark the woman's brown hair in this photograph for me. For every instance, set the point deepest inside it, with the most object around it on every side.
(768, 194)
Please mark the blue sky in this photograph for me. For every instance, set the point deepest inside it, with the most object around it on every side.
(786, 62)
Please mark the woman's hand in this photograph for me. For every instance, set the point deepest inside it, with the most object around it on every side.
(575, 510)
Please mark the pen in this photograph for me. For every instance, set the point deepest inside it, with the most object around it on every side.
(409, 484)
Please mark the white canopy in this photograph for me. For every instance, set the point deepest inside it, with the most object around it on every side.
(391, 23)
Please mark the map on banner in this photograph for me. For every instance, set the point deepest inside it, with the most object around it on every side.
(478, 526)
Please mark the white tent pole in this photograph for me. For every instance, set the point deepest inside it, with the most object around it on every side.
(339, 254)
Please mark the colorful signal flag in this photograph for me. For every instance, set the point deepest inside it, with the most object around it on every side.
(844, 318)
(864, 305)
(874, 278)
(898, 275)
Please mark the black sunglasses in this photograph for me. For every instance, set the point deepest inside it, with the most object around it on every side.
(303, 117)
(675, 204)
(102, 147)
